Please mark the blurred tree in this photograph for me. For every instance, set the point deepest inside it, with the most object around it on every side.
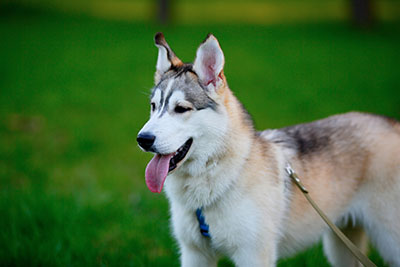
(362, 12)
(164, 11)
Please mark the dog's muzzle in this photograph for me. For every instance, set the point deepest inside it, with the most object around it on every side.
(146, 141)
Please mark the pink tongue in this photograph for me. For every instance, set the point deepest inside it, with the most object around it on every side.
(156, 172)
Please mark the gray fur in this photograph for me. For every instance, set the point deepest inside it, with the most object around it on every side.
(310, 139)
(185, 80)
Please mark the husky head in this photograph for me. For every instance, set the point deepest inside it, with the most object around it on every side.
(188, 119)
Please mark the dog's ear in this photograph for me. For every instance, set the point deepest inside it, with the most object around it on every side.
(209, 62)
(166, 57)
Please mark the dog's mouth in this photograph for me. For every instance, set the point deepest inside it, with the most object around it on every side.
(179, 155)
(159, 167)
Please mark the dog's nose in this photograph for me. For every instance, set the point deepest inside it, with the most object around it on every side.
(146, 140)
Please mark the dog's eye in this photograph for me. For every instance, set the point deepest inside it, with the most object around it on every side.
(153, 106)
(180, 109)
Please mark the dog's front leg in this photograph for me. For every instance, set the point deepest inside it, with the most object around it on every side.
(255, 256)
(193, 257)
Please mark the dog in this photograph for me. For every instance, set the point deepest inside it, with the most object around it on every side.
(226, 183)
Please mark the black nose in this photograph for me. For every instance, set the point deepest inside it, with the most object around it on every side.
(146, 140)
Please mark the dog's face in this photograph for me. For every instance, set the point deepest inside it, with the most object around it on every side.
(187, 113)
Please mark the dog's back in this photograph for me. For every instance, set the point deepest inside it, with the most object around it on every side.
(350, 163)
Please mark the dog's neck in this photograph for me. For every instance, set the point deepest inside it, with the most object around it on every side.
(205, 177)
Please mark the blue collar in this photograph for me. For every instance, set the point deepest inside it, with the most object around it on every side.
(202, 223)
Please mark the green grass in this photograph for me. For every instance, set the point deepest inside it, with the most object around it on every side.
(74, 94)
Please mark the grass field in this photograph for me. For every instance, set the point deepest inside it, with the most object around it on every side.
(74, 93)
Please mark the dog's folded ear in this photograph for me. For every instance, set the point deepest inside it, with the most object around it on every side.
(166, 57)
(209, 62)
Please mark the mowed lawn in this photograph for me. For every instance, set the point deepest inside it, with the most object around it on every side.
(74, 93)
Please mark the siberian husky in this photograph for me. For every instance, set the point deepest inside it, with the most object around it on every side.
(226, 182)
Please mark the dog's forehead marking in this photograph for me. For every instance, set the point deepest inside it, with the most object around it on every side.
(157, 96)
(194, 92)
(165, 101)
(174, 91)
(189, 90)
(164, 90)
(176, 97)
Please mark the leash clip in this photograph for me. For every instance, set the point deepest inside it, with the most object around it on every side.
(295, 178)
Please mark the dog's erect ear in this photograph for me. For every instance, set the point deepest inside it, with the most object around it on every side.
(209, 62)
(166, 57)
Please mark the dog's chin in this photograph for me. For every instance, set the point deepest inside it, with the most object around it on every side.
(180, 156)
